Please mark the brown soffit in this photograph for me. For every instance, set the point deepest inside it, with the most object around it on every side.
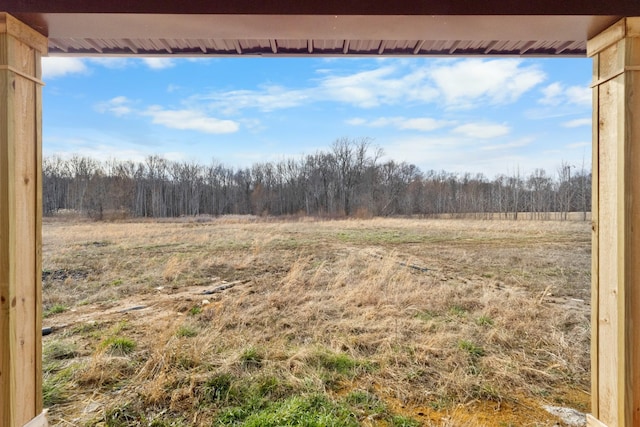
(333, 27)
(305, 35)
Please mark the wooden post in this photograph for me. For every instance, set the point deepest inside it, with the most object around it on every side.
(615, 322)
(20, 223)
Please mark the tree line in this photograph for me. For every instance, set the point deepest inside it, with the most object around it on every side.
(348, 179)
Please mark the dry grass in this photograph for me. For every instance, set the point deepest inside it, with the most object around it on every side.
(438, 321)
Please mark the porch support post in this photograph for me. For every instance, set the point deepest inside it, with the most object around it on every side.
(20, 223)
(615, 321)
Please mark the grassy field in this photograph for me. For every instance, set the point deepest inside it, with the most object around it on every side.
(382, 322)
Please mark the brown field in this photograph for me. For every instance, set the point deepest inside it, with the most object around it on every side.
(381, 322)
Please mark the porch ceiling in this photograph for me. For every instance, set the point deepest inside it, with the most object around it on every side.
(332, 27)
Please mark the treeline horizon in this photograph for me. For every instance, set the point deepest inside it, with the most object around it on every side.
(349, 179)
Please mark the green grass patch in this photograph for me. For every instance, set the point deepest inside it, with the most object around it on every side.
(186, 331)
(121, 326)
(171, 422)
(333, 368)
(251, 358)
(195, 310)
(55, 309)
(458, 311)
(119, 346)
(342, 364)
(484, 321)
(93, 328)
(303, 411)
(380, 236)
(59, 350)
(365, 402)
(470, 348)
(426, 315)
(271, 387)
(124, 416)
(56, 384)
(217, 388)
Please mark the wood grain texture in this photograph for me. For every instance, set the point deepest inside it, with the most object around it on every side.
(37, 111)
(608, 37)
(20, 229)
(616, 236)
(22, 32)
(595, 238)
(5, 257)
(632, 226)
(594, 422)
(607, 320)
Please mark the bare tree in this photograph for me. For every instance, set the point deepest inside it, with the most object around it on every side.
(565, 189)
(347, 180)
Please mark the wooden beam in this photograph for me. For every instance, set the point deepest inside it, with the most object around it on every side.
(593, 422)
(20, 223)
(595, 177)
(616, 226)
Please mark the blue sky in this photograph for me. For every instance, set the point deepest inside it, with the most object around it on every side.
(488, 115)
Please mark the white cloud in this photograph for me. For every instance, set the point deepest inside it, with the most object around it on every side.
(557, 94)
(458, 84)
(464, 84)
(118, 106)
(158, 63)
(386, 85)
(482, 130)
(269, 98)
(120, 63)
(253, 125)
(202, 60)
(113, 150)
(462, 155)
(424, 124)
(190, 120)
(579, 95)
(513, 144)
(579, 145)
(112, 63)
(424, 150)
(452, 154)
(183, 119)
(102, 152)
(577, 123)
(94, 143)
(552, 94)
(53, 67)
(386, 121)
(356, 121)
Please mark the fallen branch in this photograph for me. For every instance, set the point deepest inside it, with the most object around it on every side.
(134, 308)
(221, 288)
(415, 267)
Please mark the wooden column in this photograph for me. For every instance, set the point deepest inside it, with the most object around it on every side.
(20, 223)
(615, 347)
